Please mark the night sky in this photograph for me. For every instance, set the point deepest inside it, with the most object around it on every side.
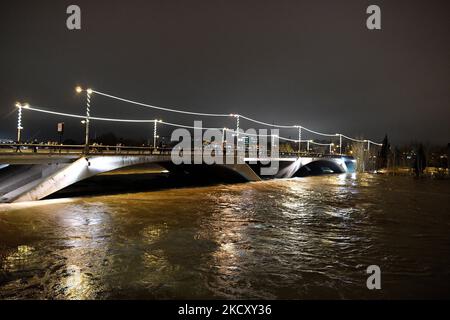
(311, 62)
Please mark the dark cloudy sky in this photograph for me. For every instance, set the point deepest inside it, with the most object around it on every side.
(308, 62)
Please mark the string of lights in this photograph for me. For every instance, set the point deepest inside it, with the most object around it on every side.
(32, 108)
(321, 144)
(353, 139)
(70, 115)
(266, 124)
(321, 133)
(222, 115)
(160, 108)
(84, 117)
(359, 140)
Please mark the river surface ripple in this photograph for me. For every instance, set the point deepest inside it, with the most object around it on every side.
(302, 238)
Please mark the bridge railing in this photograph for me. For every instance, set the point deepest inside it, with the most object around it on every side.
(56, 149)
(39, 148)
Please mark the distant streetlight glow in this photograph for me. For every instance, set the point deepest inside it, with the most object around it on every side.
(79, 89)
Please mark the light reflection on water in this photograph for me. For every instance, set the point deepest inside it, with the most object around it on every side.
(300, 238)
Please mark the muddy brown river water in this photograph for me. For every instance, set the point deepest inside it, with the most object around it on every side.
(302, 238)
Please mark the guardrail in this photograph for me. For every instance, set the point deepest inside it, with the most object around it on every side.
(55, 149)
(30, 148)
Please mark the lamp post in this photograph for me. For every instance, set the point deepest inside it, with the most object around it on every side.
(155, 132)
(273, 143)
(88, 115)
(340, 143)
(19, 120)
(237, 129)
(368, 153)
(223, 136)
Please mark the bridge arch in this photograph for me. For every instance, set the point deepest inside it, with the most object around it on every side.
(324, 166)
(35, 178)
(38, 181)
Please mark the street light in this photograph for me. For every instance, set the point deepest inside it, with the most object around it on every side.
(155, 135)
(223, 135)
(88, 114)
(368, 145)
(340, 142)
(307, 144)
(299, 138)
(234, 115)
(19, 119)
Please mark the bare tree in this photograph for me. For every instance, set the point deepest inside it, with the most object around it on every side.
(361, 156)
(286, 147)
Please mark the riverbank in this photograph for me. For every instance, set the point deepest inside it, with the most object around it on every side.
(430, 172)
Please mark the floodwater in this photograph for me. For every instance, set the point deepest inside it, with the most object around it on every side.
(302, 238)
